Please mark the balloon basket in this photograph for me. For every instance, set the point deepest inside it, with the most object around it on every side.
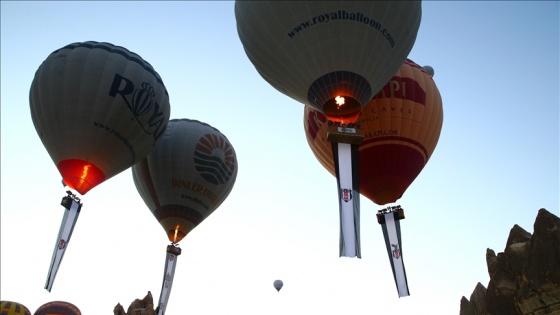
(392, 209)
(342, 133)
(174, 249)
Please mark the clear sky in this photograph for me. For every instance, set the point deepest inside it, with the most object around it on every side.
(496, 164)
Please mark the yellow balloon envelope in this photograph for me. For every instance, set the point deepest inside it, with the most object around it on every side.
(13, 308)
(401, 125)
(98, 109)
(331, 55)
(187, 175)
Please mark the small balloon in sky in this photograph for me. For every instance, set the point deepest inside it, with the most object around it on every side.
(278, 284)
(429, 69)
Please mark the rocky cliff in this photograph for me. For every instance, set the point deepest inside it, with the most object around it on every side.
(525, 278)
(138, 307)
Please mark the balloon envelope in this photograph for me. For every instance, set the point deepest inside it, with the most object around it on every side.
(187, 175)
(13, 308)
(278, 284)
(58, 307)
(401, 127)
(98, 109)
(331, 55)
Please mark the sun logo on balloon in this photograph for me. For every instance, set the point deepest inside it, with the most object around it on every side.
(214, 159)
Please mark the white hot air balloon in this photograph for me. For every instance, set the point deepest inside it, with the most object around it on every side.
(98, 109)
(182, 181)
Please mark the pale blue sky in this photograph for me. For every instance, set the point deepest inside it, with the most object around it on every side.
(496, 164)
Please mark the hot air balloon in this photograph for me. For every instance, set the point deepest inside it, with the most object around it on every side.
(58, 307)
(278, 284)
(333, 56)
(98, 109)
(13, 308)
(182, 181)
(401, 124)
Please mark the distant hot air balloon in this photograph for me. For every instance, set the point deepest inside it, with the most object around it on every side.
(182, 181)
(58, 308)
(13, 308)
(401, 124)
(98, 109)
(333, 56)
(278, 284)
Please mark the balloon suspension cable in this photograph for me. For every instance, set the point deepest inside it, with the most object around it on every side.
(173, 251)
(345, 140)
(73, 206)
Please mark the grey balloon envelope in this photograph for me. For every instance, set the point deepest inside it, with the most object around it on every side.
(278, 284)
(313, 51)
(98, 109)
(187, 176)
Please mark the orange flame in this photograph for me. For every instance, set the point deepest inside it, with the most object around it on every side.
(176, 232)
(84, 174)
(339, 101)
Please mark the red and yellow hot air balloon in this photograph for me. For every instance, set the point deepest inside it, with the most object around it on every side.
(182, 181)
(98, 109)
(13, 308)
(401, 127)
(333, 56)
(58, 307)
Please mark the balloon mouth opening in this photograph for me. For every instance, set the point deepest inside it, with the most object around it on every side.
(340, 95)
(385, 197)
(175, 235)
(80, 175)
(343, 109)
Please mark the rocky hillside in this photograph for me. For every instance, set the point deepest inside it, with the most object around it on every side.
(138, 307)
(525, 278)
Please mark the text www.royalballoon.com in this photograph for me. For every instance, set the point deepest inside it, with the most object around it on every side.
(343, 15)
(123, 139)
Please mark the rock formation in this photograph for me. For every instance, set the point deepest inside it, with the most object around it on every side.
(138, 307)
(525, 278)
